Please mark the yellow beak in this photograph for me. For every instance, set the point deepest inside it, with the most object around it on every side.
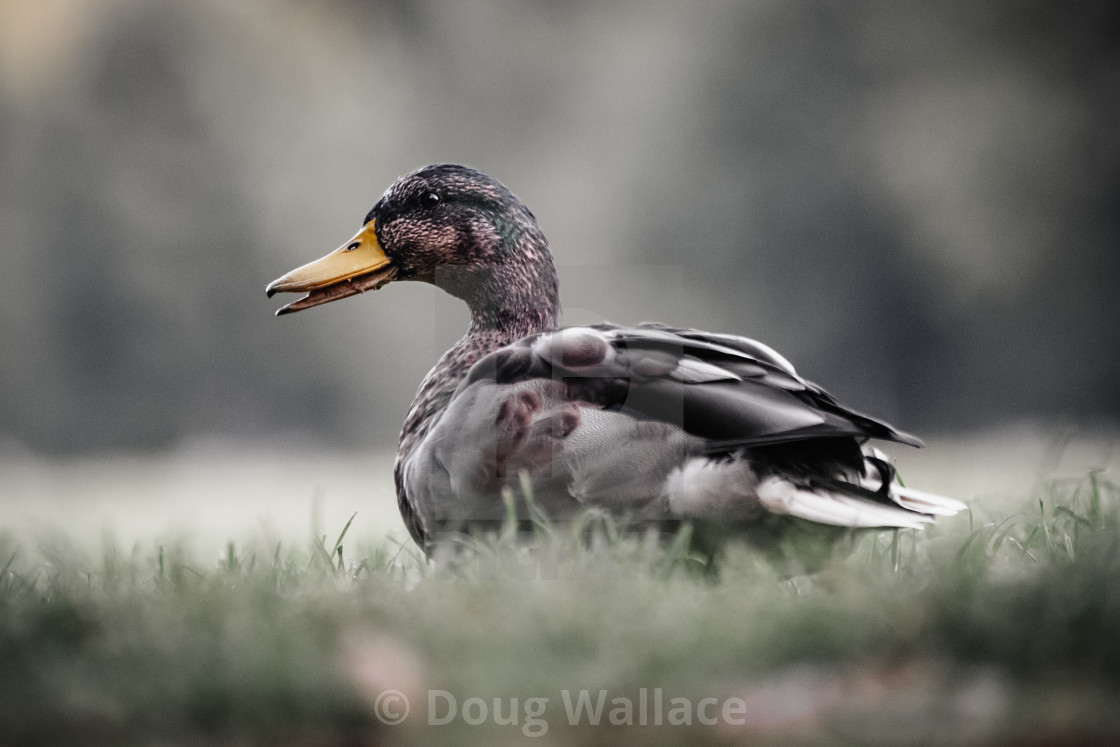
(357, 266)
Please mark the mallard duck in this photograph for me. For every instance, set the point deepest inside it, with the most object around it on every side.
(656, 423)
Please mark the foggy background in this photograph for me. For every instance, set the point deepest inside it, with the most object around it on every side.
(919, 205)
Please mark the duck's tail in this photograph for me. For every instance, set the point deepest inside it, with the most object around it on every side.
(873, 499)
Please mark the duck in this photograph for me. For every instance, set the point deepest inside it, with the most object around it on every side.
(662, 425)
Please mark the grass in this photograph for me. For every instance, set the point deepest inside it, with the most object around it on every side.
(981, 629)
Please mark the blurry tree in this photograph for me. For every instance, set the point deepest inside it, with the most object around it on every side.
(918, 203)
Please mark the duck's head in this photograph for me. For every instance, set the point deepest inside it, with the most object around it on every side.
(448, 225)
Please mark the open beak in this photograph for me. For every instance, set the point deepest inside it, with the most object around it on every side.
(355, 267)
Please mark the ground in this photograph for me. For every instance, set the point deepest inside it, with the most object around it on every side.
(996, 626)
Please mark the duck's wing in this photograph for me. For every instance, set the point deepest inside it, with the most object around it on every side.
(730, 391)
(661, 422)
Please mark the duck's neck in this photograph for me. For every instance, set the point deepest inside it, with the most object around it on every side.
(508, 301)
(495, 328)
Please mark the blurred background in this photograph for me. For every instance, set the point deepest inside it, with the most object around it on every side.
(919, 205)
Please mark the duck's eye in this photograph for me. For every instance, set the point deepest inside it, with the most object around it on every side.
(429, 200)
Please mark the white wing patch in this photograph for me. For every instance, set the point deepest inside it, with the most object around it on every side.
(696, 371)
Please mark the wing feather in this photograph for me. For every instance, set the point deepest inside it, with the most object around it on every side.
(729, 390)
